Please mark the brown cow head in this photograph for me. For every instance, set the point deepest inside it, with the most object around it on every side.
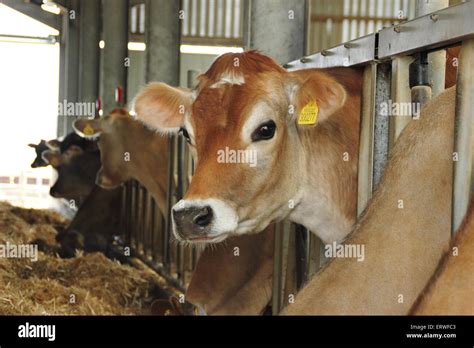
(243, 124)
(113, 131)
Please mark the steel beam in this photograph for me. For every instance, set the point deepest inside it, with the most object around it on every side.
(69, 64)
(351, 53)
(89, 52)
(163, 41)
(113, 72)
(291, 17)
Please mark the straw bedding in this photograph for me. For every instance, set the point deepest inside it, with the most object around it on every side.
(84, 285)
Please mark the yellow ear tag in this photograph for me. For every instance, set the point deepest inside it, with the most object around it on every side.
(88, 130)
(309, 114)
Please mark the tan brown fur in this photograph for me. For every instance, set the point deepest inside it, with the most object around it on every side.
(450, 290)
(226, 284)
(402, 246)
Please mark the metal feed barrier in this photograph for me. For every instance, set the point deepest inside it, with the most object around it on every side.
(386, 58)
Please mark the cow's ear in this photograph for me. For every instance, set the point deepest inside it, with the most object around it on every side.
(51, 157)
(88, 128)
(32, 145)
(314, 99)
(53, 144)
(163, 107)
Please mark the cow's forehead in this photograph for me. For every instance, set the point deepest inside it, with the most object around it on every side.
(219, 110)
(228, 105)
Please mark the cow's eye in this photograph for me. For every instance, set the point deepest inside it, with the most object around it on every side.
(185, 134)
(264, 132)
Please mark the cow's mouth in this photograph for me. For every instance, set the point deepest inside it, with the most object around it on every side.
(206, 239)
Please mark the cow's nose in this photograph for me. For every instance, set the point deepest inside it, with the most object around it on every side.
(193, 220)
(203, 216)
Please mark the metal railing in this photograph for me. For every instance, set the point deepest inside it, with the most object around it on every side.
(385, 56)
(298, 253)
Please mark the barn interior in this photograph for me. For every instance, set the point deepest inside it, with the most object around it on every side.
(99, 251)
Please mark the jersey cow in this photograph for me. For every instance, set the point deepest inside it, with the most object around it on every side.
(223, 282)
(77, 170)
(269, 145)
(128, 150)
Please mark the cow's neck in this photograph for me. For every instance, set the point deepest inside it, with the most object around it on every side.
(327, 199)
(149, 163)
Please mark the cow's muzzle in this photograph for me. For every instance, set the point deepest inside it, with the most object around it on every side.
(193, 222)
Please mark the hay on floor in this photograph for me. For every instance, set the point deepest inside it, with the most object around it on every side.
(84, 285)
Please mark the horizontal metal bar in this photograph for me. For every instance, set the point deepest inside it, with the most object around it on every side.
(340, 18)
(355, 52)
(29, 39)
(441, 28)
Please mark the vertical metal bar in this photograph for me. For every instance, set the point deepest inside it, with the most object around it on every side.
(400, 93)
(148, 225)
(366, 141)
(186, 171)
(314, 255)
(381, 122)
(114, 71)
(277, 270)
(289, 267)
(169, 200)
(163, 35)
(180, 145)
(153, 230)
(89, 51)
(290, 43)
(302, 248)
(134, 215)
(189, 17)
(463, 184)
(437, 60)
(140, 218)
(128, 210)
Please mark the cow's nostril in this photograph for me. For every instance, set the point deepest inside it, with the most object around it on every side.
(204, 217)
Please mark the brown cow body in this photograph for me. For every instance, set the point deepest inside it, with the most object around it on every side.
(403, 244)
(450, 290)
